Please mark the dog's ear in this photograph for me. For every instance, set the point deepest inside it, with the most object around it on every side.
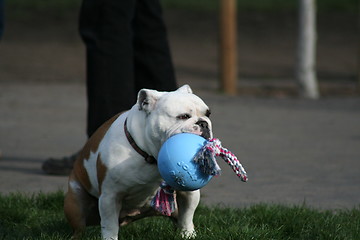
(147, 99)
(185, 89)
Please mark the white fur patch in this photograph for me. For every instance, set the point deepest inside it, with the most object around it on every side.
(75, 186)
(90, 166)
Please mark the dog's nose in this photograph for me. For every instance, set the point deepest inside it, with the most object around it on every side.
(203, 124)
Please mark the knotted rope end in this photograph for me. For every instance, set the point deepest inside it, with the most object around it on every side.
(206, 158)
(163, 201)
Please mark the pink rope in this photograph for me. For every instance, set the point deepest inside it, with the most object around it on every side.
(163, 200)
(213, 148)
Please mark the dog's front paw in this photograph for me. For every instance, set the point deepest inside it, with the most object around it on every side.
(188, 234)
(110, 238)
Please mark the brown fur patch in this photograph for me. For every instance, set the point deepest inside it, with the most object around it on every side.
(91, 145)
(101, 171)
(81, 174)
(81, 209)
(73, 210)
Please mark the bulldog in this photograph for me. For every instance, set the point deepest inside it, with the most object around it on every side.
(115, 175)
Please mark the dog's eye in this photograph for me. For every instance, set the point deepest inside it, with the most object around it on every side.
(208, 112)
(184, 116)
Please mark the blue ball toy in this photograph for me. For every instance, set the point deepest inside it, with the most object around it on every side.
(176, 162)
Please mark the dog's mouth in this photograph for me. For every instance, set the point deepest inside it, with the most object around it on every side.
(207, 136)
(200, 128)
(204, 134)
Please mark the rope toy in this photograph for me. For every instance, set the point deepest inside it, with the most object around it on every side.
(206, 158)
(163, 200)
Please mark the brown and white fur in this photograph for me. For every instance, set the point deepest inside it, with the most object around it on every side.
(111, 184)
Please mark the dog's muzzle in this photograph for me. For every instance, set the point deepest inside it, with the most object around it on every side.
(204, 128)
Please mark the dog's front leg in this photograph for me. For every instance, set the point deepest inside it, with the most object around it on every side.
(187, 203)
(109, 209)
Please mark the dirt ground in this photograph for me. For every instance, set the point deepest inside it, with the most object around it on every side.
(50, 50)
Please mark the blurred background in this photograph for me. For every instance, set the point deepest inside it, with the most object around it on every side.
(295, 150)
(41, 43)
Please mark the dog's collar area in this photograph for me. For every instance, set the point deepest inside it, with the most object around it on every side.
(149, 159)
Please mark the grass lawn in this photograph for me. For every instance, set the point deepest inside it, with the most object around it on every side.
(41, 217)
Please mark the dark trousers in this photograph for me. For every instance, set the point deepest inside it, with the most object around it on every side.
(1, 18)
(126, 50)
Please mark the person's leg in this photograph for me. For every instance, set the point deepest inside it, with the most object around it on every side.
(110, 69)
(2, 17)
(105, 27)
(152, 59)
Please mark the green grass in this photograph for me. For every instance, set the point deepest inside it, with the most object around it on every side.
(41, 217)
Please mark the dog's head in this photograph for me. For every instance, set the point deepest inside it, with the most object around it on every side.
(170, 113)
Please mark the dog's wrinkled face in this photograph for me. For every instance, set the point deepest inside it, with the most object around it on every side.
(170, 113)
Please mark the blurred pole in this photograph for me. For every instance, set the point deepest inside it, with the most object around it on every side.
(227, 51)
(306, 52)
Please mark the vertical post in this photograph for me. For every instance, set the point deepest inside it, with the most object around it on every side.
(227, 51)
(305, 69)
